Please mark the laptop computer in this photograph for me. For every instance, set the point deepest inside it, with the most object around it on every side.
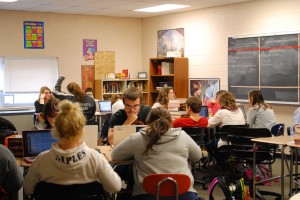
(35, 142)
(123, 131)
(91, 136)
(204, 112)
(104, 106)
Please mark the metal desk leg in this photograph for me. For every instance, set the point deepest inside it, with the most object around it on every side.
(254, 171)
(291, 171)
(282, 172)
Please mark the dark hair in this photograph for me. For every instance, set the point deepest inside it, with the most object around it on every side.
(75, 89)
(194, 103)
(132, 94)
(227, 101)
(160, 122)
(162, 97)
(257, 98)
(50, 110)
(89, 90)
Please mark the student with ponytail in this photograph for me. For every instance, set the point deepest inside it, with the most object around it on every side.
(70, 161)
(159, 149)
(260, 114)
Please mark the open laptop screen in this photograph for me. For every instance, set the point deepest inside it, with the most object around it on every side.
(204, 111)
(36, 141)
(104, 106)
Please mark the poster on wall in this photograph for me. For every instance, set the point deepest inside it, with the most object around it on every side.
(87, 76)
(33, 35)
(170, 43)
(104, 64)
(89, 49)
(204, 88)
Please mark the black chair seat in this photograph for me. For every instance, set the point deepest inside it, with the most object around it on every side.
(51, 191)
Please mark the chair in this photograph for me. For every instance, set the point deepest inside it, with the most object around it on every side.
(199, 135)
(166, 184)
(241, 106)
(278, 129)
(241, 152)
(51, 191)
(221, 152)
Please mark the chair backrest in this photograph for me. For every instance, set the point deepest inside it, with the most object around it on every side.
(198, 134)
(166, 184)
(51, 191)
(278, 129)
(242, 146)
(241, 106)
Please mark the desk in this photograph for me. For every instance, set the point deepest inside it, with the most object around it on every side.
(280, 140)
(106, 151)
(292, 145)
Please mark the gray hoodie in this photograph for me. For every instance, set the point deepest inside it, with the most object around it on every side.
(173, 154)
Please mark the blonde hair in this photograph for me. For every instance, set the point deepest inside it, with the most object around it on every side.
(69, 122)
(227, 101)
(42, 90)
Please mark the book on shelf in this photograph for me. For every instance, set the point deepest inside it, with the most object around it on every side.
(167, 68)
(178, 100)
(15, 144)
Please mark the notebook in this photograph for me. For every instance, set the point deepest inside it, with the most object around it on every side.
(123, 131)
(204, 112)
(35, 142)
(91, 136)
(104, 106)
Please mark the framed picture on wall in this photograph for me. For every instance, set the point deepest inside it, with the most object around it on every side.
(204, 88)
(170, 43)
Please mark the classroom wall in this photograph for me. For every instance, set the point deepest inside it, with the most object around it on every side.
(207, 31)
(64, 34)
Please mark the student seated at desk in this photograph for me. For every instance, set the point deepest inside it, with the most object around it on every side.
(77, 95)
(229, 114)
(159, 149)
(11, 178)
(49, 113)
(116, 104)
(89, 91)
(133, 112)
(163, 97)
(44, 96)
(214, 104)
(193, 108)
(260, 114)
(70, 161)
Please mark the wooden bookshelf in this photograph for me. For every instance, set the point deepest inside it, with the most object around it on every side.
(178, 78)
(105, 88)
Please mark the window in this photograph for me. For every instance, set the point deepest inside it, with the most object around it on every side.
(22, 78)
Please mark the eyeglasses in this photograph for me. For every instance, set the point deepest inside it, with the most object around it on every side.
(136, 106)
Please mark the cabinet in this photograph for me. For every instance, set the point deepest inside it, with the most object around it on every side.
(168, 71)
(105, 88)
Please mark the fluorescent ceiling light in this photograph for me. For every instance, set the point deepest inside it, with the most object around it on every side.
(161, 8)
(8, 0)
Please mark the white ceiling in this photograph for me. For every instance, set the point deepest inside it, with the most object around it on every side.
(117, 8)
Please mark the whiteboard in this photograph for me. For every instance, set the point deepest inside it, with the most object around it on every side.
(29, 74)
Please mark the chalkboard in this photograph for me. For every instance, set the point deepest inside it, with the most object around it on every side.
(268, 63)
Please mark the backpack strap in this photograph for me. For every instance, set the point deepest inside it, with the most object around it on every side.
(212, 187)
